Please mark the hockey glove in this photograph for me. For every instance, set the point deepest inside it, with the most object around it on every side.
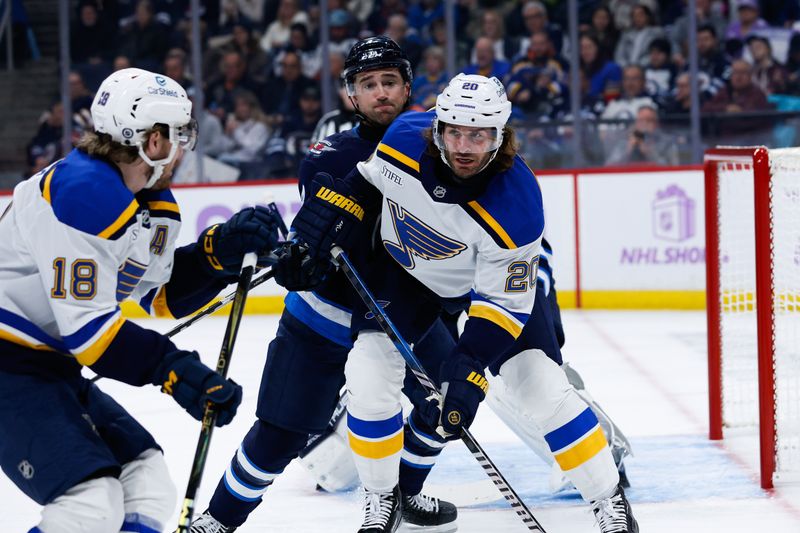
(463, 388)
(330, 215)
(192, 384)
(253, 229)
(295, 270)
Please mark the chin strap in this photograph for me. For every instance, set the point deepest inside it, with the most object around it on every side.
(159, 164)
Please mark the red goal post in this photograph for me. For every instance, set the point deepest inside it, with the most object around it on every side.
(752, 209)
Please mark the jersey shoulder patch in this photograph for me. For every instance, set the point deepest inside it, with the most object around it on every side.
(89, 195)
(161, 204)
(511, 208)
(403, 143)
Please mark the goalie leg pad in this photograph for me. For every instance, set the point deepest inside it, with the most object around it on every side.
(541, 390)
(375, 372)
(94, 506)
(149, 493)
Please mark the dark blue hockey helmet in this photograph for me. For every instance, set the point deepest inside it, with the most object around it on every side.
(375, 53)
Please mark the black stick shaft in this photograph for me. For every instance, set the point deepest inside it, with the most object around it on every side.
(418, 370)
(210, 415)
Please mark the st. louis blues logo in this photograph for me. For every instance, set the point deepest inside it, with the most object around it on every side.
(415, 238)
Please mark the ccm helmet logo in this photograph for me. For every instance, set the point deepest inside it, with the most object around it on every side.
(161, 80)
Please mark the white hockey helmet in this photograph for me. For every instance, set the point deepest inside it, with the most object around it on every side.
(475, 101)
(131, 101)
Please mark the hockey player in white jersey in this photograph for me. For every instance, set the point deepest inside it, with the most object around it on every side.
(89, 231)
(462, 214)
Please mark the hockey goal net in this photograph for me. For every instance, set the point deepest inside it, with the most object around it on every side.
(753, 300)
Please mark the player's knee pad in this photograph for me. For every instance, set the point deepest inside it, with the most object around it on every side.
(150, 494)
(374, 374)
(94, 506)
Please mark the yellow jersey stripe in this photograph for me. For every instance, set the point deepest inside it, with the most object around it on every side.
(90, 355)
(376, 449)
(121, 220)
(489, 219)
(403, 158)
(163, 206)
(10, 337)
(496, 317)
(46, 189)
(160, 304)
(583, 451)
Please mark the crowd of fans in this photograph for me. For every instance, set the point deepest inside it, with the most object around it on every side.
(262, 68)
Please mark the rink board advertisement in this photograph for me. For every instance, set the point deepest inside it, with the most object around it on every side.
(627, 239)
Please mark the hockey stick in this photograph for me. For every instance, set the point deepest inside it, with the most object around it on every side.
(210, 415)
(211, 309)
(341, 259)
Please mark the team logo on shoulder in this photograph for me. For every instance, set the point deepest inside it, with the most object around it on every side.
(318, 147)
(439, 191)
(418, 239)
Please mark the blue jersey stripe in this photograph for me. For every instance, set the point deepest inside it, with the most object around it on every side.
(88, 330)
(32, 330)
(329, 329)
(375, 429)
(571, 431)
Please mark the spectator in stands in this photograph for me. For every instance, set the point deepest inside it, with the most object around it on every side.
(220, 94)
(145, 40)
(438, 32)
(714, 67)
(541, 54)
(299, 129)
(645, 142)
(536, 94)
(397, 29)
(740, 96)
(634, 43)
(282, 95)
(605, 31)
(660, 71)
(431, 78)
(277, 33)
(81, 96)
(245, 131)
(603, 76)
(747, 22)
(485, 63)
(421, 14)
(383, 9)
(768, 74)
(336, 62)
(492, 28)
(245, 41)
(623, 11)
(92, 38)
(679, 33)
(248, 12)
(793, 65)
(121, 62)
(341, 32)
(300, 42)
(210, 135)
(679, 99)
(45, 147)
(534, 15)
(634, 95)
(175, 67)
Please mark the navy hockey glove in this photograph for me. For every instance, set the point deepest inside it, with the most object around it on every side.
(253, 229)
(192, 384)
(463, 389)
(330, 215)
(295, 270)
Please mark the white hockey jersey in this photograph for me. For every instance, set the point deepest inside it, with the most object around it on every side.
(73, 245)
(480, 240)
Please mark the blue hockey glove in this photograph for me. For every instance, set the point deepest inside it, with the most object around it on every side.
(295, 270)
(192, 384)
(330, 215)
(253, 229)
(463, 389)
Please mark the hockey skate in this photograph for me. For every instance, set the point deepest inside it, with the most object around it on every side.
(382, 512)
(614, 514)
(205, 523)
(428, 513)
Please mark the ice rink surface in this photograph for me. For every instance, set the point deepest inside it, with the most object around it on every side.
(647, 369)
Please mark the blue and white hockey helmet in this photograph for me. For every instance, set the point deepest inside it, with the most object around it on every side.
(131, 101)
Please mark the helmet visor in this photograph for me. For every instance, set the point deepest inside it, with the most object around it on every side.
(457, 139)
(186, 135)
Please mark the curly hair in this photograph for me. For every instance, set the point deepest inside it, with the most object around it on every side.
(101, 145)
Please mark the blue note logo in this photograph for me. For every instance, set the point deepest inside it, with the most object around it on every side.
(415, 238)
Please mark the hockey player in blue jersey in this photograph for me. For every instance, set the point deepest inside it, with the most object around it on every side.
(462, 214)
(87, 232)
(304, 370)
